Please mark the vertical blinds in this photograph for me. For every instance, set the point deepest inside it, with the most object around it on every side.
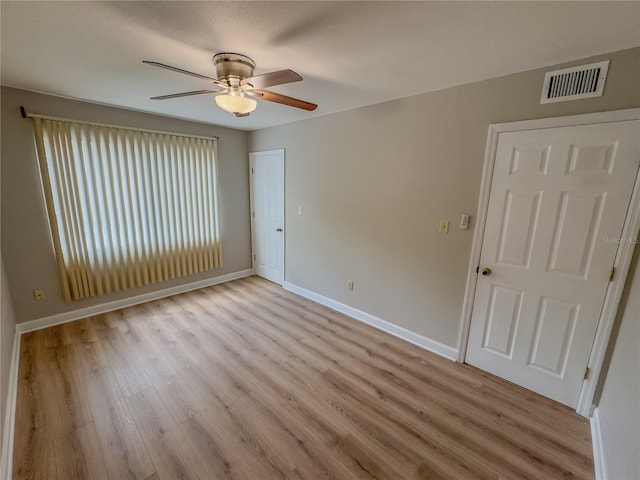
(127, 207)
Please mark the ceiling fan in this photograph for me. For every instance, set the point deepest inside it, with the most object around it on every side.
(236, 88)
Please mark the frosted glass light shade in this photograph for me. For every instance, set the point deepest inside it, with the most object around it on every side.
(236, 103)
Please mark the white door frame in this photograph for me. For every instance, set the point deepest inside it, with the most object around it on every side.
(623, 255)
(284, 213)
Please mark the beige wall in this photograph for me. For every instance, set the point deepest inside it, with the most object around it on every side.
(7, 334)
(26, 244)
(619, 405)
(374, 183)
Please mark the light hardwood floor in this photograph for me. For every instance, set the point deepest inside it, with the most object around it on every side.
(247, 381)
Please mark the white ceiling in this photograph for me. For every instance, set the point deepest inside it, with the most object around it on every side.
(350, 53)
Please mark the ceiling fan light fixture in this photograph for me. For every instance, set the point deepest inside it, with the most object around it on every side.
(236, 103)
(236, 82)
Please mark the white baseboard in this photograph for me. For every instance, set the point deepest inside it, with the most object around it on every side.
(598, 448)
(45, 322)
(6, 458)
(428, 344)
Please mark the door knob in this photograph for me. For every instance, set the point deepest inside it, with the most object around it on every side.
(278, 229)
(486, 272)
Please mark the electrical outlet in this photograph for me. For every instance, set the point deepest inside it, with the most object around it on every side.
(444, 226)
(300, 211)
(350, 285)
(38, 294)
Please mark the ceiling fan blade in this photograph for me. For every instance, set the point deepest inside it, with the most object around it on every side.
(186, 72)
(272, 79)
(283, 99)
(185, 94)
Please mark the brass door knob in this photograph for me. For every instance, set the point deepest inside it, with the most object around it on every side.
(486, 272)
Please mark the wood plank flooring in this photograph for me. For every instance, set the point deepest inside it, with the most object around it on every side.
(247, 381)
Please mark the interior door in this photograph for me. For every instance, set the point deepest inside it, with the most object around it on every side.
(558, 203)
(267, 213)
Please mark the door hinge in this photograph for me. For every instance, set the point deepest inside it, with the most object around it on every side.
(613, 272)
(587, 372)
(254, 257)
(254, 214)
(252, 170)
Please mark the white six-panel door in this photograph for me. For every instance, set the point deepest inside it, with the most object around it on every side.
(267, 207)
(558, 202)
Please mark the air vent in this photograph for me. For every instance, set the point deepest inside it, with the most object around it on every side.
(584, 81)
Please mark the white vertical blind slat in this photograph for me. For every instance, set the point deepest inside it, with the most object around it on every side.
(210, 169)
(121, 230)
(68, 208)
(214, 217)
(152, 194)
(200, 210)
(127, 207)
(163, 205)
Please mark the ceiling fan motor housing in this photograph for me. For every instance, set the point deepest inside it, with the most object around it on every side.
(233, 67)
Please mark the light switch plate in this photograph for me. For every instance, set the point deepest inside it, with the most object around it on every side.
(464, 222)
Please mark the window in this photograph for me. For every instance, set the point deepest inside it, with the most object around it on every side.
(127, 207)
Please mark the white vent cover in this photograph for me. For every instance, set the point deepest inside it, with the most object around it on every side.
(584, 81)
